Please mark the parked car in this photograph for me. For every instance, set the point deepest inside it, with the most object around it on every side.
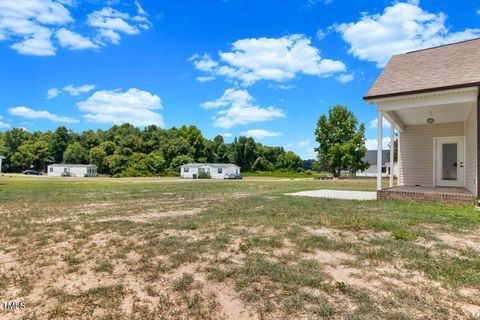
(233, 176)
(32, 173)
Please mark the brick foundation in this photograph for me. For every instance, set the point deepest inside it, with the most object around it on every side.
(453, 198)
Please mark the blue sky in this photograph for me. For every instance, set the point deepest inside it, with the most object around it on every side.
(267, 69)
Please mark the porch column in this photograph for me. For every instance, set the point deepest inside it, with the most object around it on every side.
(478, 146)
(379, 149)
(392, 151)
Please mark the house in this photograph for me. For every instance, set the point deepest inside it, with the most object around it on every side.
(431, 97)
(214, 170)
(71, 170)
(371, 158)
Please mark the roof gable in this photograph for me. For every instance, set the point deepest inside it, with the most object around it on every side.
(440, 68)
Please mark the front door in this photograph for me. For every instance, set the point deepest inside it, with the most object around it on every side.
(449, 161)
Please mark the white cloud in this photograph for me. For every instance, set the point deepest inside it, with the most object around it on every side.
(372, 144)
(52, 93)
(320, 34)
(205, 79)
(111, 22)
(283, 86)
(203, 63)
(374, 124)
(478, 11)
(27, 24)
(238, 109)
(74, 41)
(226, 134)
(402, 27)
(346, 77)
(260, 133)
(76, 91)
(3, 125)
(230, 97)
(38, 27)
(133, 106)
(276, 59)
(28, 113)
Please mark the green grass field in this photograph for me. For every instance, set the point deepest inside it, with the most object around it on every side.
(171, 249)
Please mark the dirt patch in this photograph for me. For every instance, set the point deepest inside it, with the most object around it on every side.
(228, 299)
(330, 257)
(145, 218)
(460, 241)
(7, 261)
(350, 276)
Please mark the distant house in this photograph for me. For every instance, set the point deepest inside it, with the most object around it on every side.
(371, 157)
(214, 170)
(72, 170)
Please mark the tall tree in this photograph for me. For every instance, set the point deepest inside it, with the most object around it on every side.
(75, 153)
(341, 141)
(61, 138)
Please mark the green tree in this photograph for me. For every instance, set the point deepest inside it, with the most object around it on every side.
(96, 156)
(341, 141)
(116, 163)
(61, 138)
(31, 154)
(180, 160)
(75, 153)
(155, 162)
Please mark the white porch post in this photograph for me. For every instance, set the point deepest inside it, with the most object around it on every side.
(392, 150)
(1, 165)
(379, 149)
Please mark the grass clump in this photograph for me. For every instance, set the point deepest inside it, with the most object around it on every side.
(184, 283)
(404, 235)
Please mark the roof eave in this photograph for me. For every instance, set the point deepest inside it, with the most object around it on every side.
(404, 93)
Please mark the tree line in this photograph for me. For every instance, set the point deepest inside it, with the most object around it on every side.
(125, 150)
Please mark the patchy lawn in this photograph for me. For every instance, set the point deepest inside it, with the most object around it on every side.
(143, 249)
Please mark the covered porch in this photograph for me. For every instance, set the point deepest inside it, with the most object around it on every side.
(437, 145)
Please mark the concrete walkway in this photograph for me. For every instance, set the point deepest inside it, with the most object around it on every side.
(337, 194)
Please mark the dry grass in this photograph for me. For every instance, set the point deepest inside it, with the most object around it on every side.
(128, 249)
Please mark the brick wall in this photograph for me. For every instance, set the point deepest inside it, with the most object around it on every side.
(425, 196)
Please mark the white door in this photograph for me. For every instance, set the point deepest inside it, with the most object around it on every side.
(449, 161)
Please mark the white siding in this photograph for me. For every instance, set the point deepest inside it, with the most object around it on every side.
(56, 171)
(214, 174)
(416, 151)
(471, 150)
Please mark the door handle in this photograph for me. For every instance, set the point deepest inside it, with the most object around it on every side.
(454, 164)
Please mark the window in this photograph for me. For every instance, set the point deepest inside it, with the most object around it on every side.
(51, 169)
(220, 170)
(185, 169)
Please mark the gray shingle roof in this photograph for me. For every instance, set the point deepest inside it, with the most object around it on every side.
(371, 157)
(213, 165)
(64, 165)
(449, 66)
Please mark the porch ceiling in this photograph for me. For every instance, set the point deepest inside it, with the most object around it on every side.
(453, 112)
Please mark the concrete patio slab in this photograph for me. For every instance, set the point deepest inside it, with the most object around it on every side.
(337, 194)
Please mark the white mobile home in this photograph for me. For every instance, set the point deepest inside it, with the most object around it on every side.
(214, 170)
(371, 172)
(72, 170)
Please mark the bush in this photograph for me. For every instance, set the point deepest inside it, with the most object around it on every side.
(203, 175)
